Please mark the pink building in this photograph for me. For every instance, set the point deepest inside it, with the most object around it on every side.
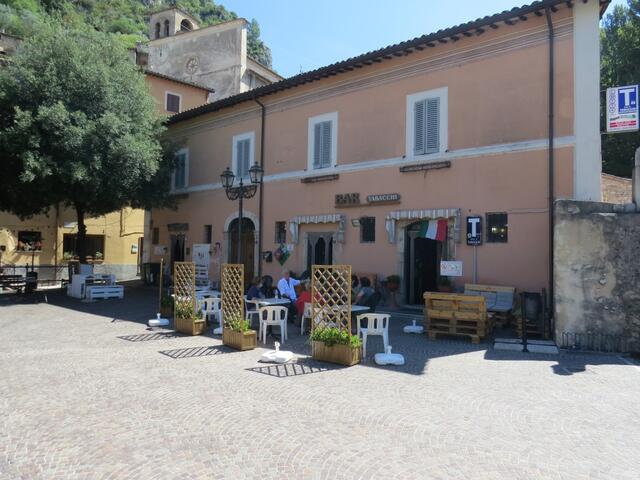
(360, 155)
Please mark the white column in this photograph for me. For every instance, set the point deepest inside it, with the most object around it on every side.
(587, 161)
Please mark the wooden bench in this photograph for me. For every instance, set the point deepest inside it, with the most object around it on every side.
(94, 292)
(500, 300)
(455, 314)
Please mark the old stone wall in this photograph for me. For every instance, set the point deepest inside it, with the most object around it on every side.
(597, 275)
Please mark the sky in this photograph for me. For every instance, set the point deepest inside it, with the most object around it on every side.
(304, 34)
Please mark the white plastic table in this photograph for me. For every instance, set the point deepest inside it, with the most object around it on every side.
(359, 309)
(273, 302)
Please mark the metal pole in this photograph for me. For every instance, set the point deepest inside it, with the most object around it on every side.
(160, 284)
(475, 264)
(241, 194)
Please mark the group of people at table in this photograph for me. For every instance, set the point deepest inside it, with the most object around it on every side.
(298, 292)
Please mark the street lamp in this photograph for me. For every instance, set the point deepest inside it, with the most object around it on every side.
(241, 192)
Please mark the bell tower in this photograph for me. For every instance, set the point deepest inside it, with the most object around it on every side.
(171, 21)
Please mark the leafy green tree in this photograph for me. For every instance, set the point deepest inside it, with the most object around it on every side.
(620, 65)
(78, 127)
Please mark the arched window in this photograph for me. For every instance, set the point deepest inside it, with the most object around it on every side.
(166, 28)
(185, 26)
(157, 30)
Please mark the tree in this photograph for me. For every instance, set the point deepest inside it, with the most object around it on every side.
(78, 127)
(620, 65)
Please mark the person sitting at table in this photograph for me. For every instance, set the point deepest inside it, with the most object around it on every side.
(355, 287)
(254, 289)
(267, 289)
(365, 292)
(303, 297)
(286, 286)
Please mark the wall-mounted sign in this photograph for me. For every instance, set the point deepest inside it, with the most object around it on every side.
(622, 109)
(450, 268)
(134, 248)
(347, 199)
(383, 198)
(177, 227)
(474, 230)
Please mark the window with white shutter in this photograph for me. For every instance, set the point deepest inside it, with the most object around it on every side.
(323, 141)
(243, 148)
(427, 122)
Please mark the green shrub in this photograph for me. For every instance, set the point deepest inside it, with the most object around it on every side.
(331, 336)
(237, 324)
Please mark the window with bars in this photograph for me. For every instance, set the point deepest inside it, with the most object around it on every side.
(281, 232)
(94, 245)
(426, 116)
(497, 228)
(180, 174)
(367, 229)
(172, 103)
(29, 241)
(208, 233)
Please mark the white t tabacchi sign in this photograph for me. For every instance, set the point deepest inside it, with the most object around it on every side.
(622, 109)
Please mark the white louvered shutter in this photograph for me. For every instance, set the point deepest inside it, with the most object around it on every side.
(419, 127)
(179, 174)
(326, 145)
(242, 157)
(433, 126)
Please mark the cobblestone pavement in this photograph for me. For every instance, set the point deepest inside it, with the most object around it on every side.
(88, 392)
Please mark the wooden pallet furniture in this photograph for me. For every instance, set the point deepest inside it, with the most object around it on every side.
(500, 300)
(94, 292)
(455, 314)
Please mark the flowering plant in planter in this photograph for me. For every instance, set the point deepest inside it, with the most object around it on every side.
(238, 334)
(331, 344)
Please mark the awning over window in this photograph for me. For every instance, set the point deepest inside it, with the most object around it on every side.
(338, 218)
(433, 213)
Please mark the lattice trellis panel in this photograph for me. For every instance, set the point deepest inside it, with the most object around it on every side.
(331, 296)
(184, 288)
(232, 293)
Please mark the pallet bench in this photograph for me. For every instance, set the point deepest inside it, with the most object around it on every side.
(95, 292)
(499, 300)
(458, 315)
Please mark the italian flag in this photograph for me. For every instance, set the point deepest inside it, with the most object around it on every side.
(434, 229)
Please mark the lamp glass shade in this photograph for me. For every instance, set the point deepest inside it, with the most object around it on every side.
(227, 177)
(255, 173)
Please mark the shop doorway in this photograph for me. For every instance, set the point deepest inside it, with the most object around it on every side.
(248, 246)
(177, 248)
(319, 249)
(421, 260)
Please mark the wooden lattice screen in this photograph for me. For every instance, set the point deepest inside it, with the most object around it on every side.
(331, 296)
(232, 293)
(184, 288)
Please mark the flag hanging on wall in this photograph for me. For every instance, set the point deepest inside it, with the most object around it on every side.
(434, 229)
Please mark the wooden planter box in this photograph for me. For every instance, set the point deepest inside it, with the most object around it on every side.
(190, 326)
(341, 354)
(247, 340)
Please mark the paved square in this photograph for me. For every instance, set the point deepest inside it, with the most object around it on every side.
(88, 392)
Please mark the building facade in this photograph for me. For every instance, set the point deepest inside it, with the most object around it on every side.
(362, 157)
(214, 56)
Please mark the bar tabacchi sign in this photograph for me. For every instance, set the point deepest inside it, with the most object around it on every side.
(353, 199)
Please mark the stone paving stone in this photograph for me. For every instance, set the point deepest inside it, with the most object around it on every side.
(88, 392)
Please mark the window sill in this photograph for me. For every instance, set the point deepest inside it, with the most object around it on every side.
(319, 177)
(27, 251)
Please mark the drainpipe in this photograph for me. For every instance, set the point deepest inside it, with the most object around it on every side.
(551, 159)
(261, 187)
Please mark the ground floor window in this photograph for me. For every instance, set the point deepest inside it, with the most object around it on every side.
(208, 234)
(367, 229)
(29, 241)
(281, 232)
(94, 246)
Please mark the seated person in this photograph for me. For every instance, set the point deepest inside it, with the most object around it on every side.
(267, 290)
(253, 291)
(355, 287)
(303, 297)
(286, 286)
(365, 292)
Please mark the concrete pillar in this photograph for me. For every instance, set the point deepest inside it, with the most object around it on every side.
(636, 178)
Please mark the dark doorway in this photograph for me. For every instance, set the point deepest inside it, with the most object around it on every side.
(248, 246)
(319, 249)
(421, 260)
(177, 248)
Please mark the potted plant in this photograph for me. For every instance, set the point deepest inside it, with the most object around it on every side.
(237, 334)
(166, 305)
(331, 344)
(187, 319)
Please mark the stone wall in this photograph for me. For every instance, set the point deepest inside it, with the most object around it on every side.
(597, 275)
(616, 189)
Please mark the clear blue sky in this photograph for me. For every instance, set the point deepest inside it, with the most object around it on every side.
(305, 34)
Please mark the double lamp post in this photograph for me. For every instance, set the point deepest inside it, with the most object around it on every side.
(241, 192)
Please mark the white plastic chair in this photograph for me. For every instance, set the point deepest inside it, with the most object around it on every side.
(377, 324)
(211, 310)
(276, 316)
(305, 316)
(250, 314)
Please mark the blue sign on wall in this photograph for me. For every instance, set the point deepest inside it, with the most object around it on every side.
(627, 99)
(622, 109)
